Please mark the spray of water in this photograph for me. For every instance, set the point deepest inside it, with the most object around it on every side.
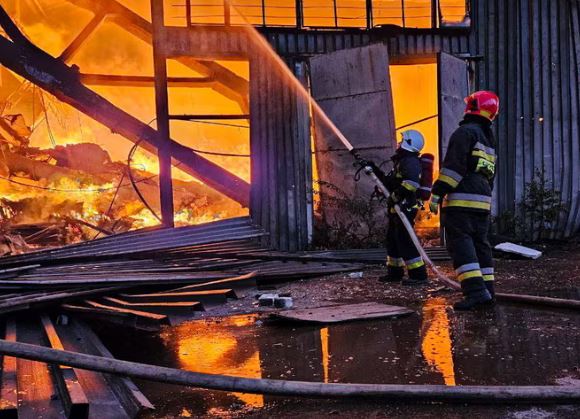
(261, 43)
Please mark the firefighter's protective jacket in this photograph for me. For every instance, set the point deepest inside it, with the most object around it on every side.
(403, 180)
(468, 171)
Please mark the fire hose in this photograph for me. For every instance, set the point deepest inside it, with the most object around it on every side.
(411, 393)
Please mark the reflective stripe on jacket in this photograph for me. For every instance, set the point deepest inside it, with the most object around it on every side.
(468, 170)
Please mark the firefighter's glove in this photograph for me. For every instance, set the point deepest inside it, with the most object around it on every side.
(370, 167)
(393, 199)
(434, 204)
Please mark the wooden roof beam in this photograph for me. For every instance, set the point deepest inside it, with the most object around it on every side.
(143, 81)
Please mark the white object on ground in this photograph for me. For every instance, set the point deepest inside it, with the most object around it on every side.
(283, 302)
(267, 300)
(518, 250)
(355, 275)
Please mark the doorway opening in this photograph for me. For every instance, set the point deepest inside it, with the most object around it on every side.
(415, 100)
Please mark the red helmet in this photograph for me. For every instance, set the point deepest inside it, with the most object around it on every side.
(483, 103)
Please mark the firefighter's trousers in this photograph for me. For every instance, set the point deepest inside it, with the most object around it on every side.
(466, 234)
(401, 251)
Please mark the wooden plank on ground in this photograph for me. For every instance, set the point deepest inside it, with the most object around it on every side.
(178, 307)
(219, 296)
(237, 283)
(343, 313)
(162, 319)
(36, 383)
(9, 386)
(116, 317)
(25, 301)
(131, 398)
(72, 395)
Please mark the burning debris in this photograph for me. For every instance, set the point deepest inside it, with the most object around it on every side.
(77, 192)
(66, 177)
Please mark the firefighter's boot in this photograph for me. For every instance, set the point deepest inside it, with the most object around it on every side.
(475, 295)
(394, 274)
(417, 276)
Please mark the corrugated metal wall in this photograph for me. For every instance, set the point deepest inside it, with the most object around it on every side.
(296, 43)
(531, 52)
(281, 192)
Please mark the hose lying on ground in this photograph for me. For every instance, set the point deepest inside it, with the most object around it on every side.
(385, 392)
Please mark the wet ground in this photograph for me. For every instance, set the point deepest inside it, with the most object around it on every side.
(504, 346)
(507, 345)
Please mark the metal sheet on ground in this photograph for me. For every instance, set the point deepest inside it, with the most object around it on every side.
(343, 313)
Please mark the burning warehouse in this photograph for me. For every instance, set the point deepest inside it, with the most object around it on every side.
(163, 160)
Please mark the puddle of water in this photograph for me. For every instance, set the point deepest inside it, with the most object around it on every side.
(506, 346)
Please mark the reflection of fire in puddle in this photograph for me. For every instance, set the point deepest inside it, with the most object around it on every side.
(204, 348)
(436, 346)
(501, 347)
(325, 354)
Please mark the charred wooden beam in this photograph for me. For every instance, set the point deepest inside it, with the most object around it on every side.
(92, 226)
(12, 30)
(162, 114)
(25, 301)
(143, 81)
(152, 318)
(228, 83)
(64, 83)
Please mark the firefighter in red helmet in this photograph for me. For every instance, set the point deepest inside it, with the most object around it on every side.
(464, 190)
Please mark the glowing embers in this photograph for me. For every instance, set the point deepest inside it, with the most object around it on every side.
(41, 189)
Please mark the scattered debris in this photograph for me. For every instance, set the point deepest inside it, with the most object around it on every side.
(283, 302)
(518, 250)
(275, 300)
(267, 300)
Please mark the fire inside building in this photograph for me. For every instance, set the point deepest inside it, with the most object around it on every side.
(422, 59)
(162, 157)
